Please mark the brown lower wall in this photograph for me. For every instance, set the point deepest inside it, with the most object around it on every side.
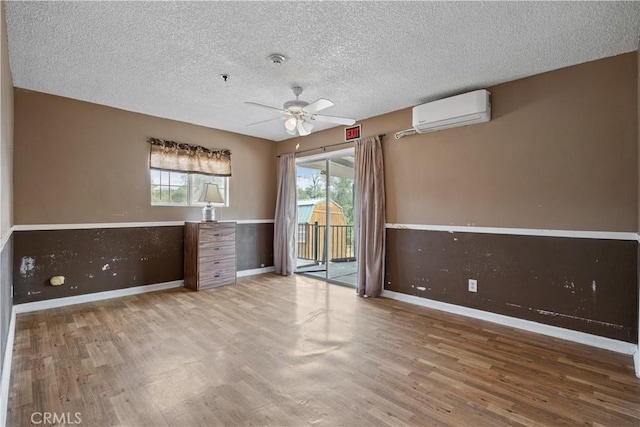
(587, 285)
(97, 260)
(254, 246)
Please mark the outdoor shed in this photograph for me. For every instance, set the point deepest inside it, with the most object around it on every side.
(312, 223)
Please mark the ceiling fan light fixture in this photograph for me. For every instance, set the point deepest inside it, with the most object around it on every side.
(297, 114)
(291, 124)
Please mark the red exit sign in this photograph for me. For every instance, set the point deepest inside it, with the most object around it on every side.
(352, 133)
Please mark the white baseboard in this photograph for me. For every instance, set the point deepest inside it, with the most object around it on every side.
(636, 361)
(244, 273)
(98, 296)
(5, 381)
(527, 325)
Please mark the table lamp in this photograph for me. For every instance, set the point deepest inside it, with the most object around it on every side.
(210, 194)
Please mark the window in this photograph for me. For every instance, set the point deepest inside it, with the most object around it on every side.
(184, 189)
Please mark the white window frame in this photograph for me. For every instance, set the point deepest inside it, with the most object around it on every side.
(190, 202)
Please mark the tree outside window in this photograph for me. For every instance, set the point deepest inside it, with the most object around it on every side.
(183, 189)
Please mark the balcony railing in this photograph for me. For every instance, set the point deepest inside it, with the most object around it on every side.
(311, 238)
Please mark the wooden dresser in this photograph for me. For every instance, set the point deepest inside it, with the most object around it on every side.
(209, 254)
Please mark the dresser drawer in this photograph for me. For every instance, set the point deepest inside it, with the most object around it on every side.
(210, 254)
(216, 277)
(217, 249)
(217, 233)
(221, 258)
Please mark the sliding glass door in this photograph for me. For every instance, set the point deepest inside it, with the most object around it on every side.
(325, 217)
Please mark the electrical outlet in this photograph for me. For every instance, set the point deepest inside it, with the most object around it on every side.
(473, 285)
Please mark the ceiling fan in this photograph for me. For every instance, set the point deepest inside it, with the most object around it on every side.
(298, 114)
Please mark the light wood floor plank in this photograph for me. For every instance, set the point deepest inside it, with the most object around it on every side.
(292, 351)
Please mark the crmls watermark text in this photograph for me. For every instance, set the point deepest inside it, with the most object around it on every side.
(56, 418)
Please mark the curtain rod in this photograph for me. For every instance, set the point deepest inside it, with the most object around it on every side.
(382, 135)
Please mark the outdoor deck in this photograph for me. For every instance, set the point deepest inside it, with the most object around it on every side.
(312, 253)
(343, 272)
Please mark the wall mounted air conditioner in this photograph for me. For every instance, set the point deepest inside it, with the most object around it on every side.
(460, 110)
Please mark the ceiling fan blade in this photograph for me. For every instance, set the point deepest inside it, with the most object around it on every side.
(304, 129)
(318, 105)
(266, 106)
(265, 121)
(333, 119)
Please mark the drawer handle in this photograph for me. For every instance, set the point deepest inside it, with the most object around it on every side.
(216, 249)
(217, 235)
(216, 262)
(217, 275)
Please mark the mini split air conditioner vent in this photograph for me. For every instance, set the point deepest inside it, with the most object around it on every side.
(461, 110)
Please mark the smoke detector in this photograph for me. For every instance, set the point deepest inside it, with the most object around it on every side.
(277, 58)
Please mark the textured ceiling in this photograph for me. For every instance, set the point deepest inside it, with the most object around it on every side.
(370, 58)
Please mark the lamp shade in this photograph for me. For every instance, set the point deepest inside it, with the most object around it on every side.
(211, 194)
(291, 124)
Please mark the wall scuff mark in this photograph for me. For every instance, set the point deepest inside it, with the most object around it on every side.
(592, 280)
(582, 319)
(27, 265)
(95, 260)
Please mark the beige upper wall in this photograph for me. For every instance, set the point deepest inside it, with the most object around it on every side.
(561, 152)
(6, 132)
(77, 162)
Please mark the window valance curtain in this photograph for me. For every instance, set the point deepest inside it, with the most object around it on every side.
(179, 157)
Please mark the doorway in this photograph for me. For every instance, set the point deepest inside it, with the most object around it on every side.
(326, 236)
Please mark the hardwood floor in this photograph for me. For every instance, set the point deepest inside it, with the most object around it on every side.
(282, 351)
